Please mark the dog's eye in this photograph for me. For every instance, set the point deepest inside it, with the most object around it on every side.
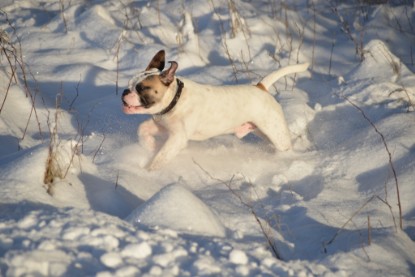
(141, 88)
(138, 87)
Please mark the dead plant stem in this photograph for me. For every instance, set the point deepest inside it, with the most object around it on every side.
(391, 165)
(248, 206)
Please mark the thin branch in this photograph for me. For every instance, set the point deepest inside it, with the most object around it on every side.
(116, 180)
(99, 148)
(77, 93)
(369, 231)
(225, 44)
(390, 209)
(8, 87)
(391, 165)
(250, 208)
(341, 229)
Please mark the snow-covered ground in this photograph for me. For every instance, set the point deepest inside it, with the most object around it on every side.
(223, 206)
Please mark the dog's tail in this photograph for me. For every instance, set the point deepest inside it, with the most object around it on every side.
(268, 80)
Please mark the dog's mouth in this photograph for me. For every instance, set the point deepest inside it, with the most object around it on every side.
(126, 105)
(145, 103)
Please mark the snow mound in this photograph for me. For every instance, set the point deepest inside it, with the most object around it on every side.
(379, 64)
(177, 208)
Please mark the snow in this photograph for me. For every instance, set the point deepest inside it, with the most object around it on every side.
(238, 257)
(166, 208)
(328, 208)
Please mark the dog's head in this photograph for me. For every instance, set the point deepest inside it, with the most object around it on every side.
(147, 92)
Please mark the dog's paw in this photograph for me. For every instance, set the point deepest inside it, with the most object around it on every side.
(153, 166)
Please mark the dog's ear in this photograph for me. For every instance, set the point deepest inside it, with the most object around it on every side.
(158, 61)
(167, 76)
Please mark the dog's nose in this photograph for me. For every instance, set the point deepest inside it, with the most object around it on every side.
(126, 91)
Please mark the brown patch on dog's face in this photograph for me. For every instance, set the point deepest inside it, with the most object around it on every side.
(151, 91)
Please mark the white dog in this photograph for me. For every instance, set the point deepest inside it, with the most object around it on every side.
(184, 110)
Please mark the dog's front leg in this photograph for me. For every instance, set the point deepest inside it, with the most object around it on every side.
(169, 150)
(148, 131)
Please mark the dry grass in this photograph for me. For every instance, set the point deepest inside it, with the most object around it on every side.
(263, 224)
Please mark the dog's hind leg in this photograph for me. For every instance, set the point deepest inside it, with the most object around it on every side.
(276, 130)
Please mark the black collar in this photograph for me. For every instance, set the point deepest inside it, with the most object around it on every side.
(173, 103)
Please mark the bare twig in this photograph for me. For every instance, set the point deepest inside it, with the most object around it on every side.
(331, 56)
(248, 206)
(73, 154)
(345, 27)
(33, 110)
(116, 180)
(391, 165)
(369, 231)
(225, 44)
(238, 24)
(301, 35)
(117, 60)
(77, 93)
(62, 7)
(408, 18)
(341, 229)
(12, 75)
(14, 56)
(362, 241)
(384, 201)
(52, 167)
(99, 148)
(158, 11)
(403, 89)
